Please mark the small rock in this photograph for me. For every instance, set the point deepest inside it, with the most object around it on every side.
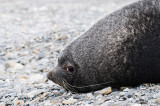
(36, 78)
(69, 101)
(2, 53)
(120, 103)
(122, 88)
(2, 104)
(23, 80)
(42, 64)
(9, 64)
(157, 95)
(122, 98)
(88, 105)
(57, 93)
(99, 96)
(56, 100)
(13, 65)
(100, 100)
(60, 37)
(126, 90)
(130, 99)
(18, 102)
(90, 95)
(157, 101)
(136, 105)
(41, 55)
(23, 61)
(129, 94)
(142, 87)
(24, 53)
(78, 96)
(106, 91)
(122, 93)
(108, 103)
(137, 94)
(32, 93)
(2, 60)
(47, 103)
(24, 77)
(2, 69)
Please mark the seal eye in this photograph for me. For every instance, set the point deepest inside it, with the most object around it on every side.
(70, 69)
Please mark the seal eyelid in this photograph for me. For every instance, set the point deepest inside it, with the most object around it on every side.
(69, 69)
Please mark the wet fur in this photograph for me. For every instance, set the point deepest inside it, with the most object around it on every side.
(122, 49)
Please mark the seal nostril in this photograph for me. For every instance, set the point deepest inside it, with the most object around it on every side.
(49, 75)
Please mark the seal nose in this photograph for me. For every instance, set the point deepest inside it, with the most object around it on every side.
(49, 75)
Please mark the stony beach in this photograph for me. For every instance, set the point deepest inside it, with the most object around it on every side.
(32, 35)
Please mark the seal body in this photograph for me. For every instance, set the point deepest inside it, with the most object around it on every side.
(121, 49)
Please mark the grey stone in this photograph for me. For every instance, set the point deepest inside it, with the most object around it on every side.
(90, 95)
(69, 101)
(126, 90)
(157, 95)
(129, 94)
(108, 103)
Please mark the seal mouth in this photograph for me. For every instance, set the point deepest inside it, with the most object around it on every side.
(61, 82)
(69, 87)
(55, 79)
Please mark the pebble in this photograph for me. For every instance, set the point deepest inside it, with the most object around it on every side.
(23, 61)
(69, 101)
(2, 69)
(60, 37)
(2, 104)
(136, 105)
(48, 103)
(56, 100)
(126, 90)
(107, 103)
(32, 93)
(36, 78)
(122, 93)
(90, 95)
(129, 94)
(157, 95)
(157, 101)
(120, 103)
(106, 91)
(18, 102)
(100, 100)
(13, 65)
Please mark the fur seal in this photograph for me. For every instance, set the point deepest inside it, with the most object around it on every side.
(121, 49)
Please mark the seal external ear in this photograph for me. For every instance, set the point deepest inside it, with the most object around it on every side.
(121, 49)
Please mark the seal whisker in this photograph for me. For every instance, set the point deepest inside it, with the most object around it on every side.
(68, 87)
(93, 85)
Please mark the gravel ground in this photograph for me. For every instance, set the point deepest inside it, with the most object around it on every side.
(32, 35)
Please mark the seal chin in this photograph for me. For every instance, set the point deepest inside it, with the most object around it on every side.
(61, 82)
(69, 87)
